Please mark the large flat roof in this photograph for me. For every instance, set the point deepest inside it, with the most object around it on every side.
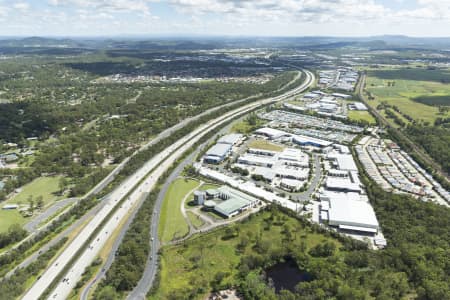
(344, 162)
(230, 139)
(352, 213)
(219, 150)
(307, 139)
(255, 159)
(231, 205)
(271, 132)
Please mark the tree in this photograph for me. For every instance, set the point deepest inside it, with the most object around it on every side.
(31, 204)
(62, 185)
(39, 202)
(107, 293)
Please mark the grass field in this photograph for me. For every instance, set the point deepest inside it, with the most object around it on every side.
(409, 84)
(172, 223)
(195, 220)
(244, 127)
(196, 262)
(265, 145)
(10, 217)
(361, 115)
(43, 186)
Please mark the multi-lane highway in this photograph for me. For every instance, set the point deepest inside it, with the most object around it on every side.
(33, 226)
(145, 179)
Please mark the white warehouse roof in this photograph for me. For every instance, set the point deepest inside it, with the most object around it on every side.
(344, 162)
(230, 139)
(271, 133)
(302, 139)
(220, 150)
(349, 212)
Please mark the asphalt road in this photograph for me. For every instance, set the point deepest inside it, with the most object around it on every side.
(159, 164)
(56, 239)
(33, 224)
(306, 196)
(151, 267)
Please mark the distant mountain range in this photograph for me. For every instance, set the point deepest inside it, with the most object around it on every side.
(194, 43)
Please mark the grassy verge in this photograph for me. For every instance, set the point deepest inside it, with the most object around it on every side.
(172, 223)
(265, 145)
(196, 221)
(361, 116)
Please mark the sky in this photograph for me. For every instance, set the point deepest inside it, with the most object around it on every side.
(425, 18)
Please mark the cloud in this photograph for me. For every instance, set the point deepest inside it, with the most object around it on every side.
(22, 6)
(106, 6)
(299, 10)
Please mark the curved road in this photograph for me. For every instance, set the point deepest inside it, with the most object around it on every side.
(151, 268)
(137, 184)
(162, 135)
(32, 225)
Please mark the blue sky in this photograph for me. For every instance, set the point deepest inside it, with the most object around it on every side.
(224, 17)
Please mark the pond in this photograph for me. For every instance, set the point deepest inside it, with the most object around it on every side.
(286, 275)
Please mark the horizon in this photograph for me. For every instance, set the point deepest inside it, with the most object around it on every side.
(212, 36)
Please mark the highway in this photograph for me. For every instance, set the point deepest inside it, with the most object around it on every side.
(162, 135)
(157, 166)
(151, 267)
(32, 226)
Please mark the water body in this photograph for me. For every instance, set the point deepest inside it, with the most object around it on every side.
(286, 275)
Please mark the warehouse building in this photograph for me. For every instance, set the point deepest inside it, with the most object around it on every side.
(342, 184)
(262, 152)
(231, 139)
(350, 215)
(357, 106)
(271, 133)
(343, 162)
(217, 153)
(310, 141)
(256, 160)
(293, 157)
(343, 96)
(292, 185)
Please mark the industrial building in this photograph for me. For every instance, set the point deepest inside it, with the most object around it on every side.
(227, 201)
(345, 184)
(343, 162)
(271, 133)
(343, 96)
(230, 139)
(291, 185)
(262, 152)
(217, 153)
(310, 141)
(357, 106)
(350, 215)
(256, 160)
